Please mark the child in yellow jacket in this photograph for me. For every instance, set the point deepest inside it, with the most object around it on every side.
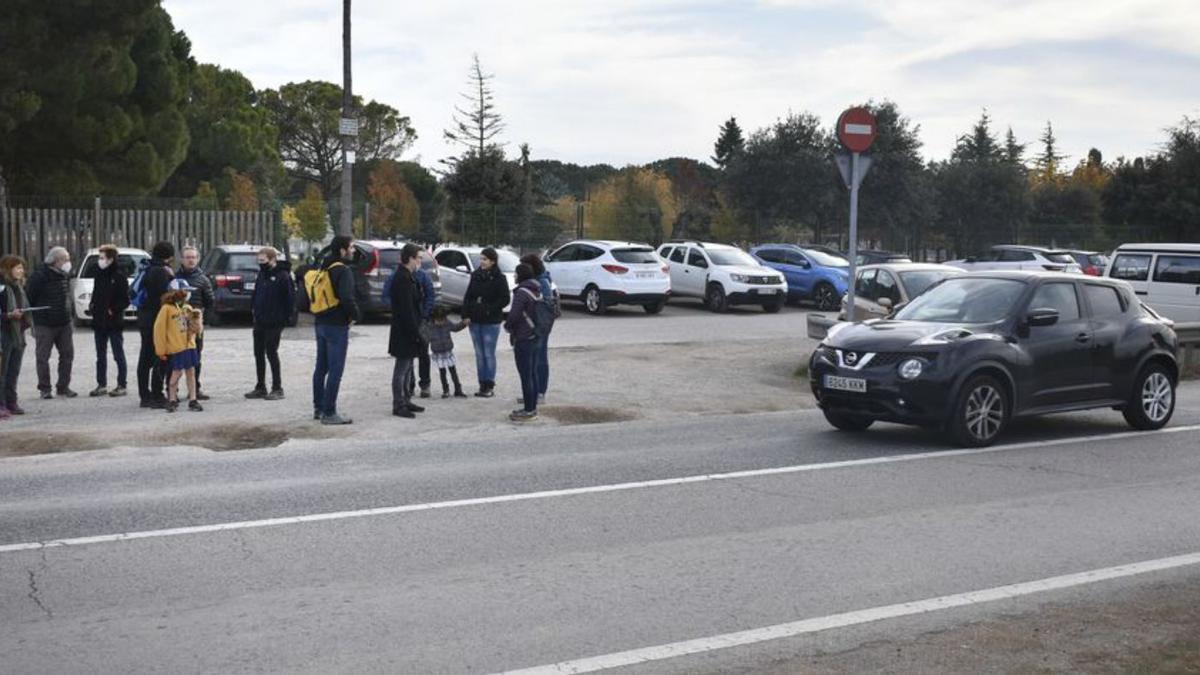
(175, 331)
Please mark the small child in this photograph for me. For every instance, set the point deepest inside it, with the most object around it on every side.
(441, 343)
(175, 332)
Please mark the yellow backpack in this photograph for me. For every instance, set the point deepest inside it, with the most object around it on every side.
(318, 284)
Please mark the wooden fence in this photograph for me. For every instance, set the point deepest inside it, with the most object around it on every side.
(31, 232)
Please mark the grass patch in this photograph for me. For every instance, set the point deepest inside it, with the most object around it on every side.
(801, 370)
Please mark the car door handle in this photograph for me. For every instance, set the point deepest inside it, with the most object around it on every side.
(1083, 338)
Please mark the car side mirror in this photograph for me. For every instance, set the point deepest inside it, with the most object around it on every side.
(1043, 316)
(461, 268)
(885, 303)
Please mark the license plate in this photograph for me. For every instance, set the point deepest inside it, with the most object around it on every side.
(646, 275)
(765, 291)
(249, 285)
(854, 384)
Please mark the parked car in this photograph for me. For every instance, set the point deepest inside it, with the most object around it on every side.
(810, 274)
(373, 262)
(722, 276)
(1164, 276)
(605, 273)
(1091, 263)
(85, 279)
(979, 350)
(457, 263)
(1013, 257)
(879, 257)
(880, 289)
(826, 249)
(233, 270)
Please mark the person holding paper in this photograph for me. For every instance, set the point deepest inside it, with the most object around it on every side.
(14, 321)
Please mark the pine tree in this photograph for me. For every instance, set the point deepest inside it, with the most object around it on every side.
(476, 127)
(979, 145)
(729, 143)
(1014, 152)
(1048, 161)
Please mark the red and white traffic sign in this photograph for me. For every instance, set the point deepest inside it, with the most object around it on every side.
(856, 129)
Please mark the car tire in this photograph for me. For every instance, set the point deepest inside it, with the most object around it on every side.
(825, 297)
(980, 414)
(593, 301)
(773, 307)
(1152, 401)
(715, 300)
(654, 307)
(847, 422)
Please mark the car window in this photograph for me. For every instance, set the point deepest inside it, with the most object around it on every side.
(965, 300)
(1010, 255)
(825, 259)
(1177, 269)
(769, 255)
(1059, 296)
(242, 262)
(588, 253)
(452, 259)
(885, 287)
(678, 254)
(634, 256)
(1104, 300)
(665, 252)
(696, 259)
(564, 254)
(864, 286)
(918, 281)
(1131, 267)
(793, 258)
(126, 264)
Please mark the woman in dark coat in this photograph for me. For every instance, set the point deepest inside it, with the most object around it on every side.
(404, 342)
(487, 296)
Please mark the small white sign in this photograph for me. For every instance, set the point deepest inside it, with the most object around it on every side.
(348, 126)
(858, 129)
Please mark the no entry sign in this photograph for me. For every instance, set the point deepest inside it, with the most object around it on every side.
(856, 129)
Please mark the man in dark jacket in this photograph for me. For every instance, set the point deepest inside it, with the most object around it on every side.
(272, 303)
(520, 326)
(202, 298)
(404, 342)
(154, 284)
(50, 287)
(333, 332)
(110, 297)
(428, 299)
(487, 296)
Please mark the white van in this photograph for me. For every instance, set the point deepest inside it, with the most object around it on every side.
(1164, 276)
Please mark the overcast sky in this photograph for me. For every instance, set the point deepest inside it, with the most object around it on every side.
(630, 81)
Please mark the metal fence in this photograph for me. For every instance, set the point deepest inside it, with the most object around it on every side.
(30, 232)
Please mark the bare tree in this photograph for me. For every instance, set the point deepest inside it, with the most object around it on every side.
(479, 124)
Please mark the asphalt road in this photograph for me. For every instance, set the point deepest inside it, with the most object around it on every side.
(566, 573)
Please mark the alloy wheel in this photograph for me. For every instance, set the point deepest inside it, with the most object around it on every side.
(984, 412)
(593, 300)
(1157, 396)
(826, 298)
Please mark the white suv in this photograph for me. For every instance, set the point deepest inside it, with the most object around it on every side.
(128, 260)
(606, 273)
(722, 276)
(1013, 257)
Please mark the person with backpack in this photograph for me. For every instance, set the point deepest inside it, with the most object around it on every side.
(404, 341)
(272, 303)
(110, 297)
(145, 294)
(50, 287)
(428, 299)
(523, 330)
(486, 297)
(14, 321)
(203, 299)
(551, 308)
(330, 295)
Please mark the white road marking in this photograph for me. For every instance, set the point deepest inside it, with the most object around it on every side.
(571, 492)
(862, 616)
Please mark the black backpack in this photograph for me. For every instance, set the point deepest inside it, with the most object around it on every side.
(541, 318)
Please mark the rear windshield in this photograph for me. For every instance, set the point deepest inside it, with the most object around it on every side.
(635, 255)
(1064, 258)
(127, 264)
(242, 262)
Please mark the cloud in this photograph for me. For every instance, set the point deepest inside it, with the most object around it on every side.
(629, 81)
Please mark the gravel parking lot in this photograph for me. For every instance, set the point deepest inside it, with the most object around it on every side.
(623, 366)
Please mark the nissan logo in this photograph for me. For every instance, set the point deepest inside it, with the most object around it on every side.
(850, 358)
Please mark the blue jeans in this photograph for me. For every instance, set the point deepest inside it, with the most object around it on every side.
(103, 337)
(526, 352)
(484, 337)
(332, 342)
(543, 365)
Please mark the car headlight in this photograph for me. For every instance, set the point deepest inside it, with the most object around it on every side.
(739, 278)
(911, 369)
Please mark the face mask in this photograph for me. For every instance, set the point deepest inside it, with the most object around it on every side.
(66, 267)
(266, 267)
(104, 263)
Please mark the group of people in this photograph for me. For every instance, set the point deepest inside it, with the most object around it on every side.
(170, 304)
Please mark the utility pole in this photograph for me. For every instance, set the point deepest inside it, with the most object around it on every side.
(348, 129)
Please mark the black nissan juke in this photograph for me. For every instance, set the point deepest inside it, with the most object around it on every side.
(974, 352)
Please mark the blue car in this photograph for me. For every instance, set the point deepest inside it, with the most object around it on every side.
(811, 275)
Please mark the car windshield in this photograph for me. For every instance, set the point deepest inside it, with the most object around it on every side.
(918, 281)
(965, 300)
(633, 256)
(508, 261)
(731, 256)
(826, 260)
(126, 263)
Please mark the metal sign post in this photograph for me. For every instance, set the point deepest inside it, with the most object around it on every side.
(856, 130)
